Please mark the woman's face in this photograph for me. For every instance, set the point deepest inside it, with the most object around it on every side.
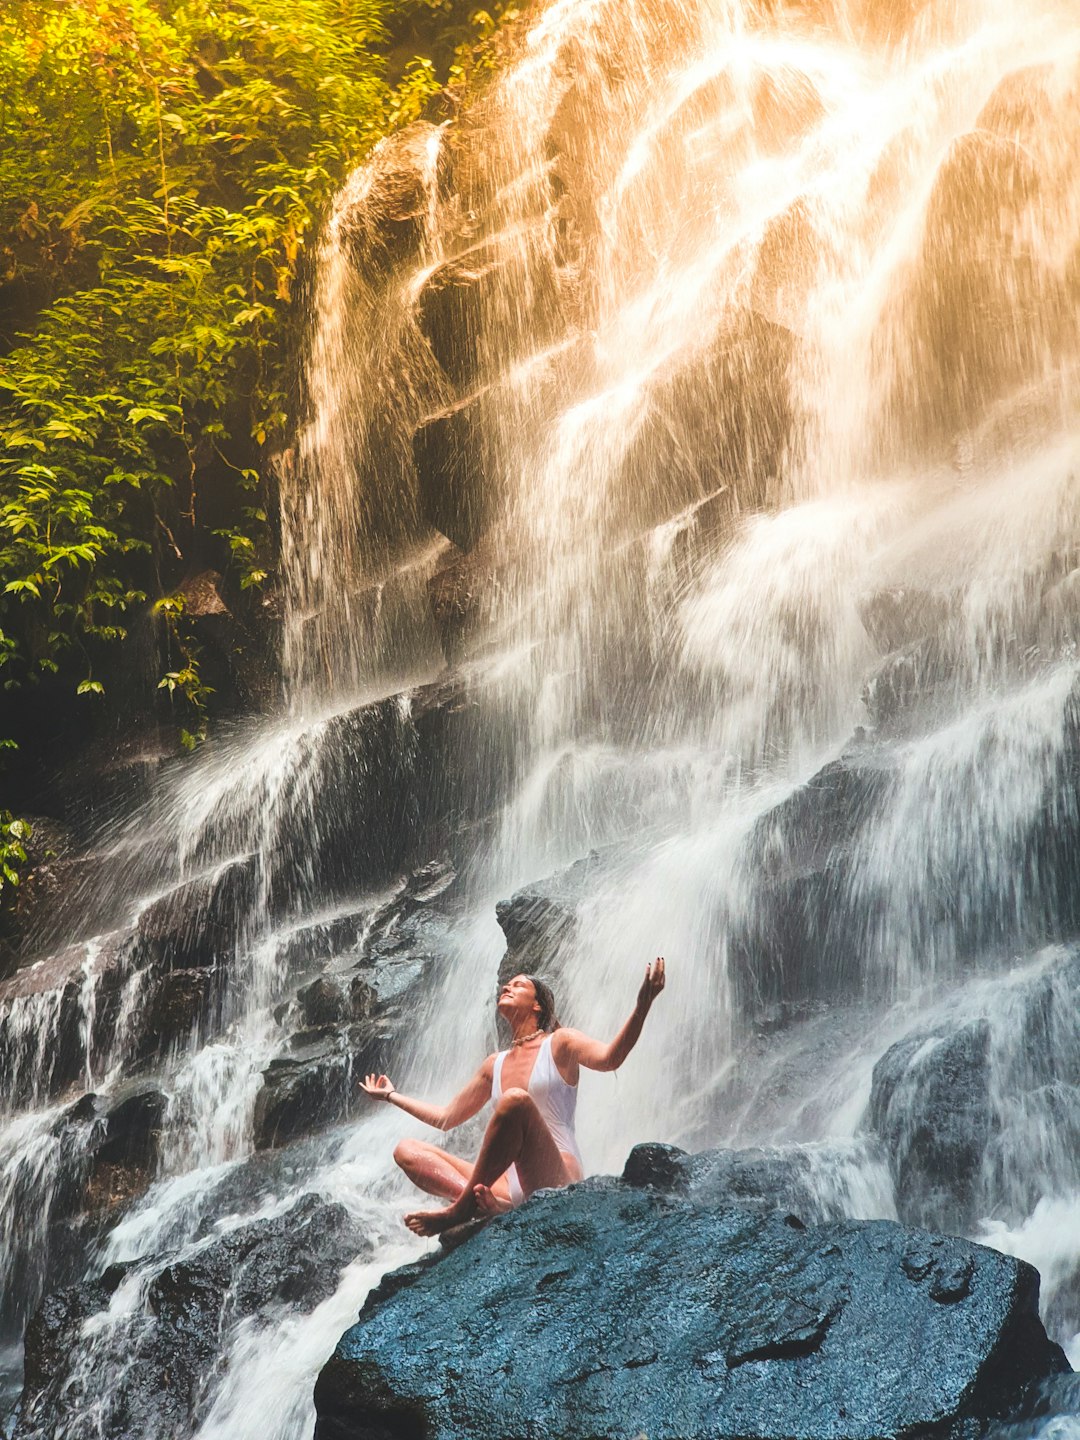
(517, 997)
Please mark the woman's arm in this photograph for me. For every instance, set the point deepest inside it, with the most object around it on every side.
(465, 1104)
(572, 1045)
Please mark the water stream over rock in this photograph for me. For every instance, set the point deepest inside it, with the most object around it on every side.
(684, 538)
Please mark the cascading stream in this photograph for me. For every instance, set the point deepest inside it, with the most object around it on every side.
(708, 394)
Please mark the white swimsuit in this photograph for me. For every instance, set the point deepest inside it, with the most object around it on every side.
(556, 1101)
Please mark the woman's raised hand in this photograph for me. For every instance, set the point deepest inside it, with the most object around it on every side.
(652, 984)
(379, 1087)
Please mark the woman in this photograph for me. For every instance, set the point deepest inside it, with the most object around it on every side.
(529, 1143)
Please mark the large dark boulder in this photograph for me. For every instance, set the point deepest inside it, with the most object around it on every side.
(487, 307)
(454, 478)
(46, 1017)
(161, 1357)
(958, 1102)
(383, 214)
(347, 1020)
(931, 1105)
(604, 1311)
(540, 919)
(810, 1182)
(202, 921)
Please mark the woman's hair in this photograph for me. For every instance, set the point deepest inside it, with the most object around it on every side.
(547, 1019)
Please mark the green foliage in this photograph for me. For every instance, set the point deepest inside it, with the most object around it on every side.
(162, 165)
(14, 835)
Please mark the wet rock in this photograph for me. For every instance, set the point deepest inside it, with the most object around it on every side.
(906, 683)
(799, 941)
(132, 1127)
(380, 784)
(383, 221)
(1046, 1399)
(352, 1015)
(46, 1016)
(163, 1356)
(538, 920)
(235, 660)
(809, 1183)
(957, 1101)
(487, 307)
(182, 1001)
(606, 1311)
(720, 423)
(315, 1087)
(51, 890)
(899, 616)
(456, 593)
(201, 922)
(125, 1156)
(453, 476)
(930, 1104)
(994, 184)
(324, 1002)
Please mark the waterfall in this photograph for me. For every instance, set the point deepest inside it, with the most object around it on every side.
(686, 479)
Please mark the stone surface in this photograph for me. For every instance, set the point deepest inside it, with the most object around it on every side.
(160, 1356)
(453, 480)
(957, 1101)
(44, 1017)
(201, 922)
(383, 223)
(539, 919)
(480, 309)
(930, 1103)
(349, 1018)
(605, 1311)
(808, 1183)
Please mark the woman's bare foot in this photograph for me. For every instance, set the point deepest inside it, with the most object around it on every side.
(488, 1202)
(434, 1222)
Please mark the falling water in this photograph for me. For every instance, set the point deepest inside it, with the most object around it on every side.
(693, 419)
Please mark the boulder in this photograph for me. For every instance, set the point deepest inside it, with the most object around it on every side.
(490, 305)
(316, 1085)
(606, 1311)
(125, 1152)
(385, 207)
(930, 1103)
(808, 1182)
(456, 595)
(45, 1180)
(899, 615)
(234, 660)
(162, 1354)
(452, 473)
(539, 919)
(381, 783)
(180, 1002)
(200, 922)
(46, 1011)
(799, 940)
(352, 1018)
(956, 1102)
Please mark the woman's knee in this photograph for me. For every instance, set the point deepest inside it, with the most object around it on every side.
(514, 1101)
(408, 1152)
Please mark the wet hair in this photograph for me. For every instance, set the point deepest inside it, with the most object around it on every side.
(547, 1019)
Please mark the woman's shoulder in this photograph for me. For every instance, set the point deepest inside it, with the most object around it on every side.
(563, 1041)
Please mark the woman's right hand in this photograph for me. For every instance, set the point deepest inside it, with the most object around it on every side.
(379, 1087)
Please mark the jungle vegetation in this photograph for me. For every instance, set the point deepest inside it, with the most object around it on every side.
(163, 164)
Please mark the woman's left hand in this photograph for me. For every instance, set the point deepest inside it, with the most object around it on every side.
(652, 984)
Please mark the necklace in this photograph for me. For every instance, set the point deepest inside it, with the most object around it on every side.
(524, 1039)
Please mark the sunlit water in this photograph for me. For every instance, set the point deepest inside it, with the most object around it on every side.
(775, 311)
